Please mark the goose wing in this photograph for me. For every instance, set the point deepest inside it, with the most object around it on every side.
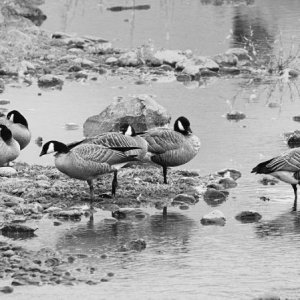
(109, 139)
(100, 154)
(288, 161)
(163, 140)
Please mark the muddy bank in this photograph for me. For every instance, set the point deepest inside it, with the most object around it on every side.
(42, 193)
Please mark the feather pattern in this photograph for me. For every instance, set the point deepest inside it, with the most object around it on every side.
(171, 148)
(20, 132)
(9, 149)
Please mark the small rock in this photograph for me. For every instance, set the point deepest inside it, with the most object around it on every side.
(214, 197)
(49, 80)
(170, 57)
(129, 59)
(235, 115)
(240, 53)
(215, 217)
(7, 172)
(184, 207)
(8, 253)
(74, 213)
(185, 198)
(248, 216)
(137, 245)
(111, 60)
(71, 126)
(228, 183)
(234, 174)
(6, 289)
(110, 220)
(268, 181)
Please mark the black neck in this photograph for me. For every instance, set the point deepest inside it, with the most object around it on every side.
(17, 118)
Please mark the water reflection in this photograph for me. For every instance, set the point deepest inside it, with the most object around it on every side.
(157, 230)
(287, 224)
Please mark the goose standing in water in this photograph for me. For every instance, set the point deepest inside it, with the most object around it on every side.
(126, 138)
(18, 125)
(171, 148)
(285, 167)
(9, 147)
(87, 161)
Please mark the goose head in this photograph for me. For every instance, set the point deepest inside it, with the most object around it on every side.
(54, 146)
(182, 125)
(17, 118)
(5, 133)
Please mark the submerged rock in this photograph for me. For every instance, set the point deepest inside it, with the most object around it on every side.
(48, 80)
(141, 111)
(248, 216)
(215, 217)
(214, 197)
(235, 115)
(132, 214)
(227, 183)
(232, 173)
(13, 230)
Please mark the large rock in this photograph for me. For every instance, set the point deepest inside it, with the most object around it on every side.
(141, 111)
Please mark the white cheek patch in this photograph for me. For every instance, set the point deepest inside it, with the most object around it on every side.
(129, 131)
(50, 148)
(11, 118)
(180, 126)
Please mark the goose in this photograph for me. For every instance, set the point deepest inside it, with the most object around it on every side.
(87, 161)
(18, 125)
(171, 148)
(9, 147)
(285, 167)
(127, 137)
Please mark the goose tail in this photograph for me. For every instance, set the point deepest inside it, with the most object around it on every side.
(262, 168)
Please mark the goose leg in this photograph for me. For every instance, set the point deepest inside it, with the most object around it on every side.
(295, 193)
(90, 183)
(165, 174)
(165, 212)
(114, 184)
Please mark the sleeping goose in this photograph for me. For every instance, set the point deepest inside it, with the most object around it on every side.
(87, 161)
(127, 137)
(170, 148)
(9, 147)
(18, 125)
(285, 167)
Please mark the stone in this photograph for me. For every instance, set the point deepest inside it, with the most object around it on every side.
(240, 53)
(137, 245)
(228, 183)
(214, 197)
(230, 70)
(6, 289)
(232, 173)
(111, 60)
(235, 115)
(215, 217)
(110, 220)
(12, 228)
(133, 214)
(224, 59)
(48, 80)
(129, 59)
(68, 214)
(9, 200)
(141, 111)
(184, 198)
(7, 172)
(248, 216)
(170, 57)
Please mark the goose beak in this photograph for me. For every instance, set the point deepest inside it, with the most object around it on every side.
(189, 130)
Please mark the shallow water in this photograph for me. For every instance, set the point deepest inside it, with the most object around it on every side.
(183, 259)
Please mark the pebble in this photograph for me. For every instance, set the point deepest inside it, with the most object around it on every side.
(7, 171)
(248, 216)
(6, 289)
